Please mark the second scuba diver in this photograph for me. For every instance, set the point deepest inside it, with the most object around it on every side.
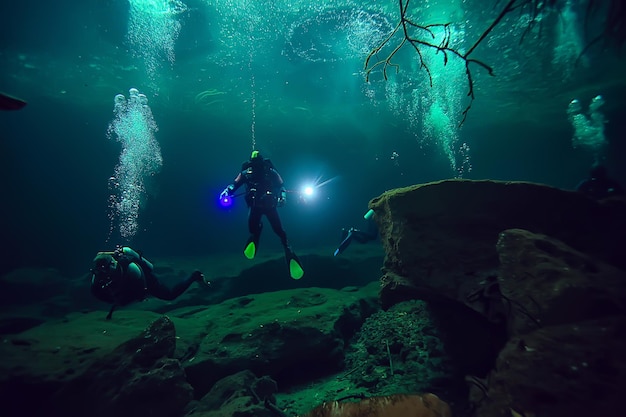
(361, 236)
(599, 185)
(123, 276)
(265, 192)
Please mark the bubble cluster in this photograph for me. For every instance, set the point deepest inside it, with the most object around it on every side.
(443, 103)
(465, 164)
(588, 128)
(133, 127)
(153, 28)
(440, 128)
(337, 34)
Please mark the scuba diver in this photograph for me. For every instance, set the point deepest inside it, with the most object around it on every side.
(347, 235)
(264, 193)
(599, 185)
(123, 276)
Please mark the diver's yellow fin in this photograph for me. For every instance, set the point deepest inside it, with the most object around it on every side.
(250, 250)
(295, 269)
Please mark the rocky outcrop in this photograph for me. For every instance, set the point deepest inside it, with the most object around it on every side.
(139, 376)
(544, 264)
(546, 283)
(576, 369)
(523, 283)
(440, 238)
(567, 315)
(86, 365)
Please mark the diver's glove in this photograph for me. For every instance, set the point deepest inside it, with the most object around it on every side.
(228, 191)
(282, 198)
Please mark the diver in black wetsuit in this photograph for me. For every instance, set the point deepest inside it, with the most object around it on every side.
(599, 185)
(123, 276)
(265, 192)
(361, 236)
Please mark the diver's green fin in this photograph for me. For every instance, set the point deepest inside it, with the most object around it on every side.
(250, 250)
(295, 269)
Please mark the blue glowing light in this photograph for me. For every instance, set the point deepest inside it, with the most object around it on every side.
(226, 201)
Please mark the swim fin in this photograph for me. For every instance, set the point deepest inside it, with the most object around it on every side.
(250, 250)
(295, 267)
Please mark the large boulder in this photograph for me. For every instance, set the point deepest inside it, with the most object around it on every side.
(544, 282)
(137, 376)
(576, 369)
(546, 266)
(440, 238)
(566, 318)
(140, 377)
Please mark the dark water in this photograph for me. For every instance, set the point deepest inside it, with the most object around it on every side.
(299, 68)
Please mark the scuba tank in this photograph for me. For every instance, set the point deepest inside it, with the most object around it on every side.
(133, 256)
(111, 278)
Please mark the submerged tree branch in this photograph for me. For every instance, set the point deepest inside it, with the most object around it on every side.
(415, 33)
(418, 43)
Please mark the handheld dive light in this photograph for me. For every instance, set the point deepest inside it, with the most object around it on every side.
(226, 201)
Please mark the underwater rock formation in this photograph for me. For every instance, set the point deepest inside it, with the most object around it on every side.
(543, 264)
(289, 335)
(440, 238)
(522, 291)
(566, 351)
(86, 365)
(140, 377)
(546, 283)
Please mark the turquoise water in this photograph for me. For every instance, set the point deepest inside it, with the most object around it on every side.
(287, 77)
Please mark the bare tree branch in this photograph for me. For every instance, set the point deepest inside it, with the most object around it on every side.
(415, 33)
(418, 43)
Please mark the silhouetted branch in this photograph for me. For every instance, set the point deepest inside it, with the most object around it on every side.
(418, 43)
(614, 29)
